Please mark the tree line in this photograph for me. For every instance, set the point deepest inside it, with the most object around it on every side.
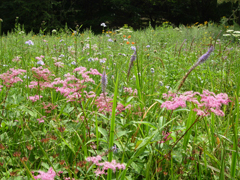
(55, 14)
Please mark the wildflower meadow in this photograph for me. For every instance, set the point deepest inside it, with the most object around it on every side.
(154, 104)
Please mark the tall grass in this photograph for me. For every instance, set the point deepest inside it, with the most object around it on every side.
(56, 121)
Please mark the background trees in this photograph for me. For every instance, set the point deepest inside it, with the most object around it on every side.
(116, 13)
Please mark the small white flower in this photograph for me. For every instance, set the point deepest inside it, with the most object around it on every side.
(226, 35)
(236, 35)
(152, 70)
(54, 31)
(236, 32)
(229, 30)
(103, 25)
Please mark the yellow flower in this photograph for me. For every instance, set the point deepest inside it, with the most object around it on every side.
(205, 22)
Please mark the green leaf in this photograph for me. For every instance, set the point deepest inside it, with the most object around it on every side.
(103, 132)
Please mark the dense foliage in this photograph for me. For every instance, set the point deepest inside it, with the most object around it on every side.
(159, 103)
(53, 14)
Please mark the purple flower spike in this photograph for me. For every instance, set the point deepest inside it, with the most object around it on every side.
(104, 81)
(205, 56)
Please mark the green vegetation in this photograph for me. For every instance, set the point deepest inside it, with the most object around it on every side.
(61, 115)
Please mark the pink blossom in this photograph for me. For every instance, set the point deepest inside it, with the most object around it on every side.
(41, 73)
(80, 69)
(60, 172)
(16, 59)
(9, 78)
(40, 120)
(174, 104)
(46, 175)
(210, 102)
(130, 91)
(59, 64)
(0, 87)
(95, 72)
(104, 166)
(34, 98)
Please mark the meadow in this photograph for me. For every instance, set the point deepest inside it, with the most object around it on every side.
(157, 103)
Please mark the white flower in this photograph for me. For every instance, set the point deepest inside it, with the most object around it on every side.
(54, 31)
(152, 70)
(103, 25)
(236, 35)
(229, 30)
(236, 32)
(226, 34)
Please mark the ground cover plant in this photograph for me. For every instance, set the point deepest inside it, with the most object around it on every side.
(152, 104)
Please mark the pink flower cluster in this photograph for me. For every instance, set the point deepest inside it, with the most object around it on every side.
(104, 104)
(41, 120)
(130, 91)
(104, 165)
(16, 59)
(166, 137)
(41, 73)
(10, 77)
(72, 86)
(210, 102)
(59, 64)
(34, 98)
(46, 175)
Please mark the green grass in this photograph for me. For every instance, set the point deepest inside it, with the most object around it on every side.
(79, 127)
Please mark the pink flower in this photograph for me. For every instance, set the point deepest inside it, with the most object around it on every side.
(59, 64)
(41, 120)
(46, 175)
(34, 98)
(16, 59)
(210, 102)
(130, 91)
(174, 104)
(104, 166)
(9, 78)
(41, 73)
(60, 172)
